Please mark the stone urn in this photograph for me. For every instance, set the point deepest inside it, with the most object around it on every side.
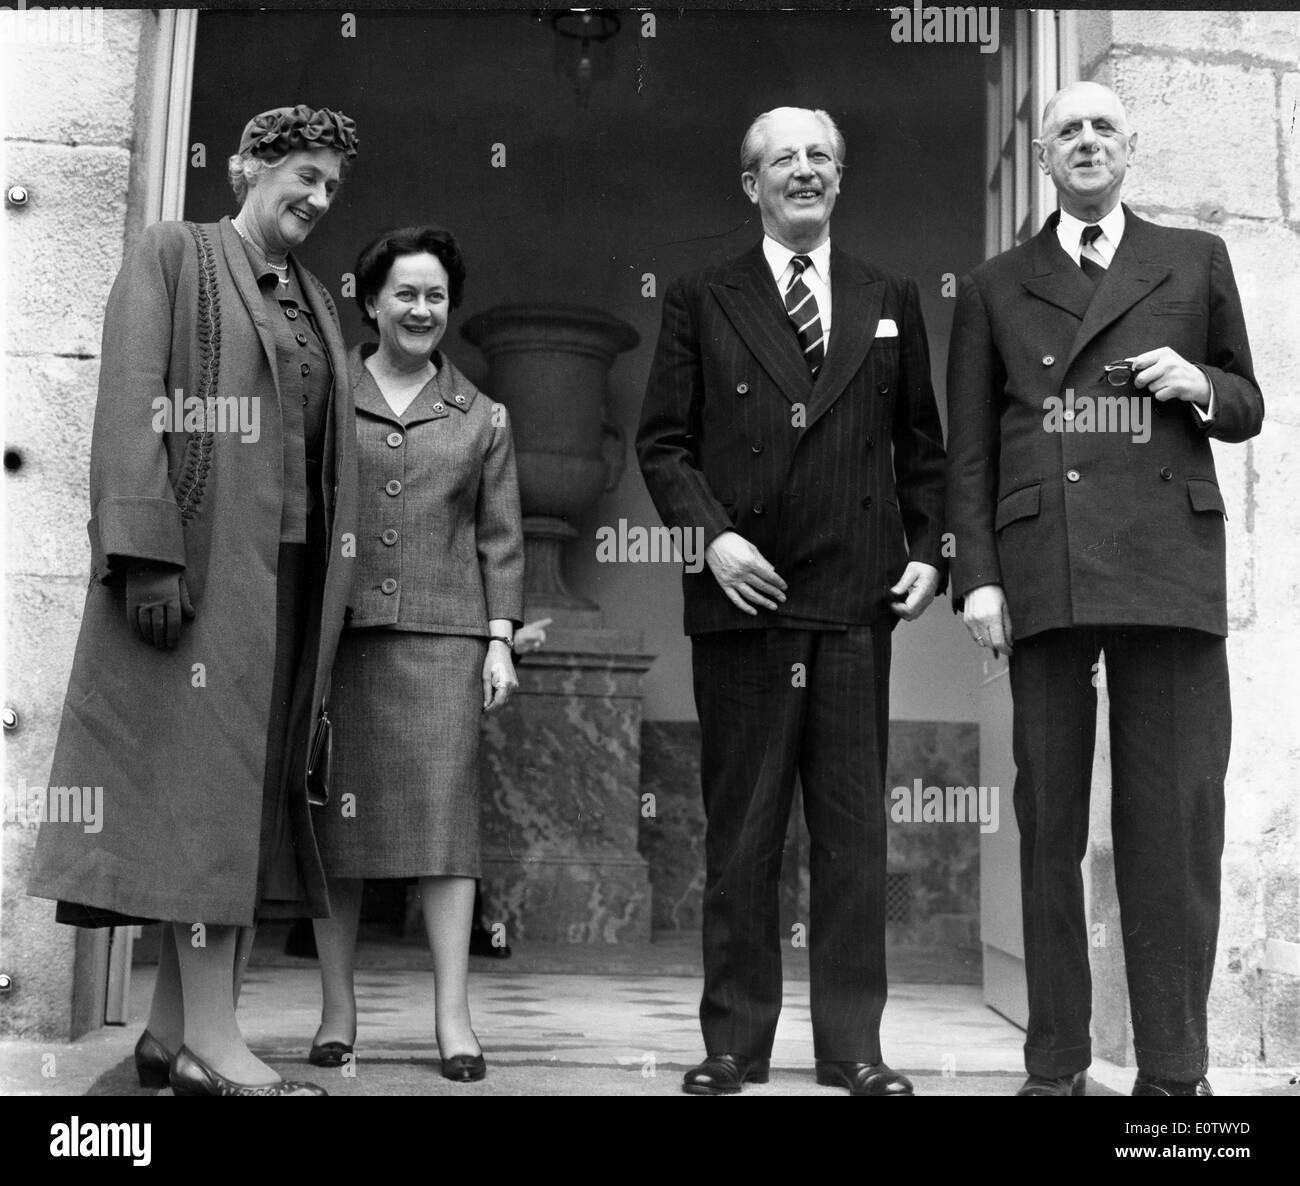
(549, 365)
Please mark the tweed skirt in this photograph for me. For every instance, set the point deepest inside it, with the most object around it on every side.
(404, 788)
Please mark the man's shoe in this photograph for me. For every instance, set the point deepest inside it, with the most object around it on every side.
(1075, 1084)
(724, 1074)
(863, 1078)
(1150, 1085)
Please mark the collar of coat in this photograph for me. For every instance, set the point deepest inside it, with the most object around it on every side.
(448, 389)
(1135, 272)
(752, 304)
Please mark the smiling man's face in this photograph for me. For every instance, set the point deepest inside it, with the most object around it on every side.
(1085, 148)
(796, 180)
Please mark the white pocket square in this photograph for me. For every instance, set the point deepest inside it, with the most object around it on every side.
(886, 328)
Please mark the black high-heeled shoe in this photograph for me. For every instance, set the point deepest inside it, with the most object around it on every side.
(464, 1068)
(152, 1061)
(190, 1075)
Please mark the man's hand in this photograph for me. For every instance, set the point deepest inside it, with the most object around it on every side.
(746, 577)
(988, 619)
(156, 602)
(915, 590)
(1168, 375)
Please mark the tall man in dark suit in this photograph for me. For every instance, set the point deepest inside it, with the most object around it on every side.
(1089, 370)
(790, 421)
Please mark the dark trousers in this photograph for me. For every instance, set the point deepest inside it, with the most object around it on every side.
(773, 703)
(1170, 727)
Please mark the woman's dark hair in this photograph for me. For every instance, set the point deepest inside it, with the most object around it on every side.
(376, 261)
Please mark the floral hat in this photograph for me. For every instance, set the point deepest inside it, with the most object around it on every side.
(287, 129)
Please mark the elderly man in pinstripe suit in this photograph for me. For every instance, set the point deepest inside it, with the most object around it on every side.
(789, 417)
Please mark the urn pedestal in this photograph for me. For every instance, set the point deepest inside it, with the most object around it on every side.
(561, 764)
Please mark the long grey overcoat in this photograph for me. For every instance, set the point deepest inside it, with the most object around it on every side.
(177, 739)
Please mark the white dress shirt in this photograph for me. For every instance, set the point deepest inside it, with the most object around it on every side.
(818, 277)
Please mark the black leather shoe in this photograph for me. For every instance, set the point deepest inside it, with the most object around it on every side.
(464, 1068)
(1076, 1084)
(863, 1078)
(152, 1061)
(191, 1076)
(329, 1054)
(724, 1074)
(1150, 1085)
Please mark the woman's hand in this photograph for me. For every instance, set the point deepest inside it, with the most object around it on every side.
(156, 601)
(499, 679)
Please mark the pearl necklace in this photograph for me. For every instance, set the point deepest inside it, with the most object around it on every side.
(281, 270)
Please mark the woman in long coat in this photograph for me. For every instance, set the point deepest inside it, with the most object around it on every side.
(223, 502)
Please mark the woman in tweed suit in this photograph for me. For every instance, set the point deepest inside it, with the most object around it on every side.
(223, 494)
(438, 595)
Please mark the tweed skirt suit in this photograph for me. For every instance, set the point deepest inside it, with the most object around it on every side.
(439, 554)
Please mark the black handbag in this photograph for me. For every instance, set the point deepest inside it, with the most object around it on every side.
(318, 761)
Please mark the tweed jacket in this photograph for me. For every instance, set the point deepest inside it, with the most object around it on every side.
(177, 738)
(838, 481)
(1095, 527)
(440, 545)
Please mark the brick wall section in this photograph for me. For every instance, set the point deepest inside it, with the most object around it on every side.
(1215, 98)
(69, 132)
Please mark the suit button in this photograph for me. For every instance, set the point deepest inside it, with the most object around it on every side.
(1166, 473)
(438, 406)
(394, 487)
(301, 339)
(305, 369)
(866, 502)
(757, 508)
(883, 388)
(291, 313)
(460, 399)
(394, 439)
(756, 447)
(389, 586)
(1048, 359)
(742, 388)
(389, 537)
(1072, 474)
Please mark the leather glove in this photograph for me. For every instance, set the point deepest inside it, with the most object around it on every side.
(156, 602)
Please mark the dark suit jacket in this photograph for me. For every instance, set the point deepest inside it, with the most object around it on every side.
(1094, 528)
(735, 434)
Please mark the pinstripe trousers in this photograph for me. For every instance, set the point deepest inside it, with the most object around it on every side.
(774, 703)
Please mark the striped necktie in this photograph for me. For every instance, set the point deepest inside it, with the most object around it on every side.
(1092, 264)
(801, 308)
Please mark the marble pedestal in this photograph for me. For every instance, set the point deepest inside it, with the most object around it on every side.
(561, 805)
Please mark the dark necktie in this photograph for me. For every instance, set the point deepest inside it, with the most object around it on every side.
(1092, 268)
(801, 308)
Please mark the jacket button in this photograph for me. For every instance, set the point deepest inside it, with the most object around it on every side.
(1068, 414)
(394, 439)
(756, 447)
(870, 441)
(883, 388)
(394, 487)
(866, 502)
(1072, 474)
(1166, 473)
(300, 338)
(389, 586)
(757, 508)
(742, 388)
(389, 537)
(1048, 359)
(291, 313)
(305, 368)
(460, 399)
(438, 406)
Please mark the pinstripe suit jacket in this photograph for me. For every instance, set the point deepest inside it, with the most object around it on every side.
(837, 481)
